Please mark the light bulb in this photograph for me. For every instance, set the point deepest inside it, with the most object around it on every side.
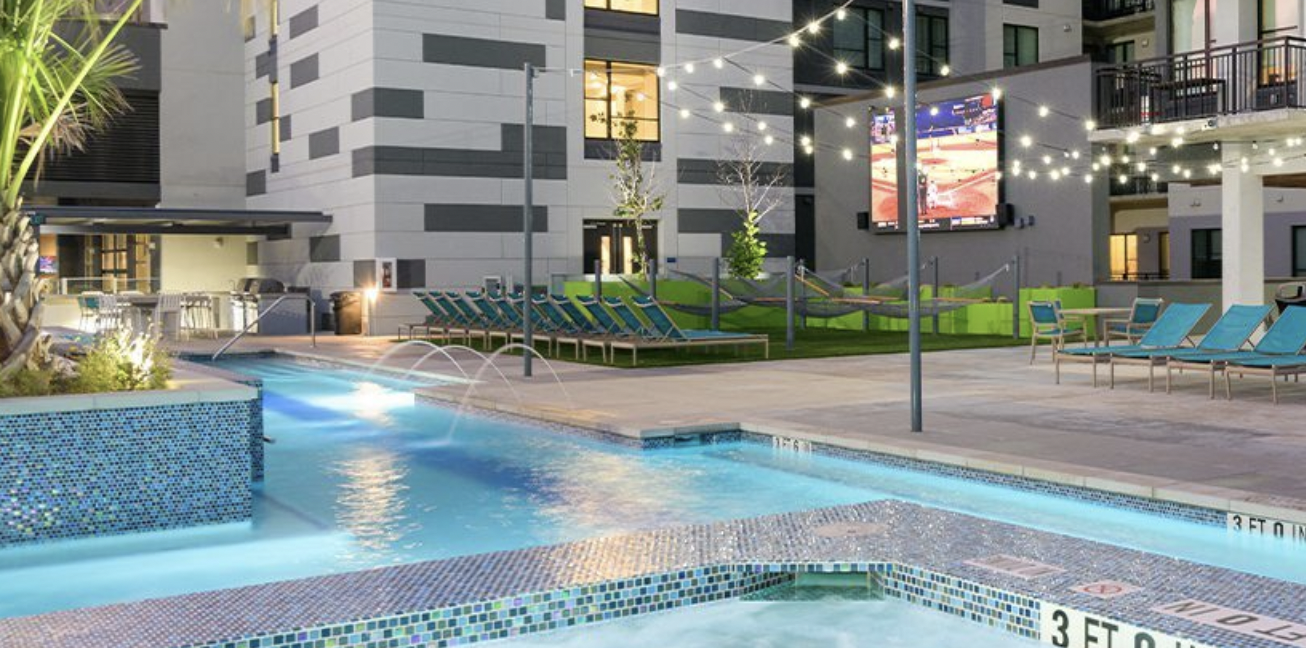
(1044, 111)
(662, 71)
(728, 127)
(889, 92)
(762, 126)
(945, 70)
(1026, 141)
(769, 140)
(719, 107)
(848, 154)
(894, 43)
(841, 67)
(805, 103)
(814, 27)
(850, 122)
(689, 68)
(795, 41)
(672, 85)
(759, 80)
(1090, 125)
(684, 113)
(841, 13)
(718, 63)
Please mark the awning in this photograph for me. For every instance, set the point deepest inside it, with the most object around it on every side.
(64, 219)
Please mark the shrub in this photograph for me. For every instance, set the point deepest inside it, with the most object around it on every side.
(30, 382)
(122, 361)
(747, 250)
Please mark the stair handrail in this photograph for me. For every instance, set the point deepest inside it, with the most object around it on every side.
(312, 321)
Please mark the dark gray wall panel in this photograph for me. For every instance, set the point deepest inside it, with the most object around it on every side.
(607, 150)
(324, 143)
(704, 172)
(480, 52)
(482, 218)
(285, 128)
(263, 111)
(757, 102)
(555, 9)
(389, 102)
(303, 22)
(256, 183)
(324, 249)
(778, 245)
(550, 158)
(622, 46)
(303, 71)
(410, 273)
(715, 25)
(261, 65)
(708, 221)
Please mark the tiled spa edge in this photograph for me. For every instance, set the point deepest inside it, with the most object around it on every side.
(954, 563)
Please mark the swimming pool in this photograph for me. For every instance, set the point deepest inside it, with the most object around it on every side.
(360, 477)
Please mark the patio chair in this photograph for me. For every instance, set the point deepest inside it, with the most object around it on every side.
(1047, 323)
(560, 328)
(1228, 335)
(496, 325)
(1170, 331)
(167, 314)
(88, 306)
(109, 313)
(666, 327)
(1278, 354)
(437, 323)
(1142, 316)
(592, 334)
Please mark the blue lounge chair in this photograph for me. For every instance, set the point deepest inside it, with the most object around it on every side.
(463, 315)
(1228, 335)
(1170, 331)
(602, 318)
(593, 333)
(661, 332)
(1278, 354)
(561, 330)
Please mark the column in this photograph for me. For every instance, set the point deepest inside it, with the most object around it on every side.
(1242, 219)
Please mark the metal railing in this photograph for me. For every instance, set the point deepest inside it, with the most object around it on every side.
(1246, 77)
(107, 284)
(312, 321)
(1099, 10)
(1137, 186)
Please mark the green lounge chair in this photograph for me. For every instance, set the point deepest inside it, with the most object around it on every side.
(1170, 331)
(1278, 354)
(1228, 335)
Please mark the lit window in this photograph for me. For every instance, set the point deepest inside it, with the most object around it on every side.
(628, 6)
(620, 92)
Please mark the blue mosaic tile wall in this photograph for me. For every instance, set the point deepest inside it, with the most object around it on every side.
(256, 450)
(529, 613)
(966, 599)
(70, 475)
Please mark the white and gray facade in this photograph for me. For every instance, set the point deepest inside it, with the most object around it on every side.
(404, 121)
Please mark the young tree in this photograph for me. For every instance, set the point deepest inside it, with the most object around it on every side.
(635, 188)
(754, 189)
(56, 88)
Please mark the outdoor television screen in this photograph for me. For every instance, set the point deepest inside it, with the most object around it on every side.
(957, 145)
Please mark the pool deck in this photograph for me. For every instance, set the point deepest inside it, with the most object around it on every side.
(1000, 574)
(985, 409)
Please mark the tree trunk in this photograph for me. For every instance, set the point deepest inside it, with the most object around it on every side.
(22, 344)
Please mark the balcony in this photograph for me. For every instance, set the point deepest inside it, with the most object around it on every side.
(1235, 79)
(1106, 10)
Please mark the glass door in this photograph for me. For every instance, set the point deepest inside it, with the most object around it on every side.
(613, 245)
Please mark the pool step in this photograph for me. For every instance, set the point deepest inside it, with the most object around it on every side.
(855, 586)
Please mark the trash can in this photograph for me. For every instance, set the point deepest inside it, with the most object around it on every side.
(347, 311)
(1290, 294)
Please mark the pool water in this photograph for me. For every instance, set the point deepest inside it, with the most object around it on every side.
(361, 477)
(830, 623)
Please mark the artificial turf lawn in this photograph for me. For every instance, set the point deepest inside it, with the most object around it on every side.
(809, 343)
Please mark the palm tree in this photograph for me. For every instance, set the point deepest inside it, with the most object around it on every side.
(58, 65)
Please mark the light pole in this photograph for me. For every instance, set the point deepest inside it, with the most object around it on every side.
(528, 219)
(912, 207)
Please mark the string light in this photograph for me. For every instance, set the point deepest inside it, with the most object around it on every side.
(805, 140)
(850, 122)
(795, 41)
(761, 126)
(841, 68)
(672, 85)
(689, 68)
(1124, 179)
(814, 27)
(728, 127)
(945, 70)
(684, 113)
(1090, 125)
(848, 154)
(759, 80)
(1044, 111)
(894, 43)
(718, 63)
(1088, 178)
(1132, 137)
(769, 140)
(718, 107)
(661, 71)
(1026, 141)
(841, 13)
(805, 103)
(934, 110)
(889, 91)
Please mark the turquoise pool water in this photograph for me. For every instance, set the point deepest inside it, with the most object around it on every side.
(755, 624)
(360, 477)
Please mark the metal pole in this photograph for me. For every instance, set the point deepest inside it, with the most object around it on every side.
(653, 278)
(789, 303)
(934, 261)
(598, 280)
(528, 219)
(1015, 301)
(912, 216)
(866, 292)
(802, 271)
(716, 294)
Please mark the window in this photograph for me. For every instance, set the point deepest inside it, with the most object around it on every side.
(1019, 45)
(1163, 242)
(629, 6)
(620, 92)
(931, 44)
(1124, 257)
(1207, 255)
(1122, 52)
(859, 39)
(1299, 251)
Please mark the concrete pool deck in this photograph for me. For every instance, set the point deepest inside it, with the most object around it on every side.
(985, 409)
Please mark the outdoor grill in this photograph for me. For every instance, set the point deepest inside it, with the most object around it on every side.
(255, 295)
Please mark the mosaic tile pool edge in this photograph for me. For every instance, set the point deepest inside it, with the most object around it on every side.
(125, 470)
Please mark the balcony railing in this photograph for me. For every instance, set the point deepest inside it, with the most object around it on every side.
(1137, 186)
(1100, 10)
(1246, 77)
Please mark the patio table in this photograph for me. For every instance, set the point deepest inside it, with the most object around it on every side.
(1099, 315)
